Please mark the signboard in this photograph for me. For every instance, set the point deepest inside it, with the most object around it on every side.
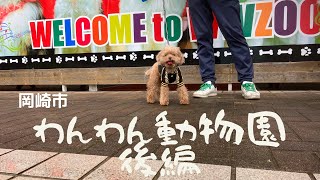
(44, 34)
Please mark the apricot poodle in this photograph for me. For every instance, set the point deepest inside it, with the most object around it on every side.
(164, 72)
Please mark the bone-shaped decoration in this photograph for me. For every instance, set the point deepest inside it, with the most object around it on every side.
(226, 53)
(289, 51)
(148, 56)
(35, 60)
(107, 58)
(251, 51)
(70, 59)
(195, 55)
(123, 57)
(318, 52)
(14, 61)
(185, 55)
(217, 54)
(3, 61)
(261, 52)
(46, 59)
(84, 58)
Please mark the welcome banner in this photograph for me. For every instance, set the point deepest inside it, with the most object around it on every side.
(107, 33)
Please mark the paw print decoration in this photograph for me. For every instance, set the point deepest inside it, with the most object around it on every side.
(133, 56)
(94, 58)
(195, 55)
(24, 60)
(58, 59)
(306, 51)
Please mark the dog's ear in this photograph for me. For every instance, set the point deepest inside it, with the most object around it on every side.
(159, 55)
(181, 56)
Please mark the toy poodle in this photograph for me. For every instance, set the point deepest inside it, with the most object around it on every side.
(164, 72)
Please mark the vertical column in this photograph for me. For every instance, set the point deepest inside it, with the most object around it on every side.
(93, 88)
(64, 88)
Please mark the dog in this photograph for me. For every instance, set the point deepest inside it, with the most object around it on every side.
(165, 71)
(14, 29)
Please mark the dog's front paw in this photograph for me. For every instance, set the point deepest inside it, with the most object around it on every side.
(164, 103)
(184, 101)
(150, 101)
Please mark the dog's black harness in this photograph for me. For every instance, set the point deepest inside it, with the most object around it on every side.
(169, 78)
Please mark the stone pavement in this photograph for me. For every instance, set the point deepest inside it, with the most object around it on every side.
(33, 165)
(25, 156)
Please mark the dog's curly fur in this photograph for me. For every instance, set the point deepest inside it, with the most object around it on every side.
(170, 57)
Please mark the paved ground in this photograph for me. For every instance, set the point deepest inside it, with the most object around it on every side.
(23, 155)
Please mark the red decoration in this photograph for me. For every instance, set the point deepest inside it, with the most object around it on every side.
(110, 6)
(48, 8)
(4, 11)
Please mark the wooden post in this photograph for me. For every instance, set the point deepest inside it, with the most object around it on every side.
(93, 88)
(230, 87)
(64, 88)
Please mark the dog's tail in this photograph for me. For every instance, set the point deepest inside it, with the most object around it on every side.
(148, 72)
